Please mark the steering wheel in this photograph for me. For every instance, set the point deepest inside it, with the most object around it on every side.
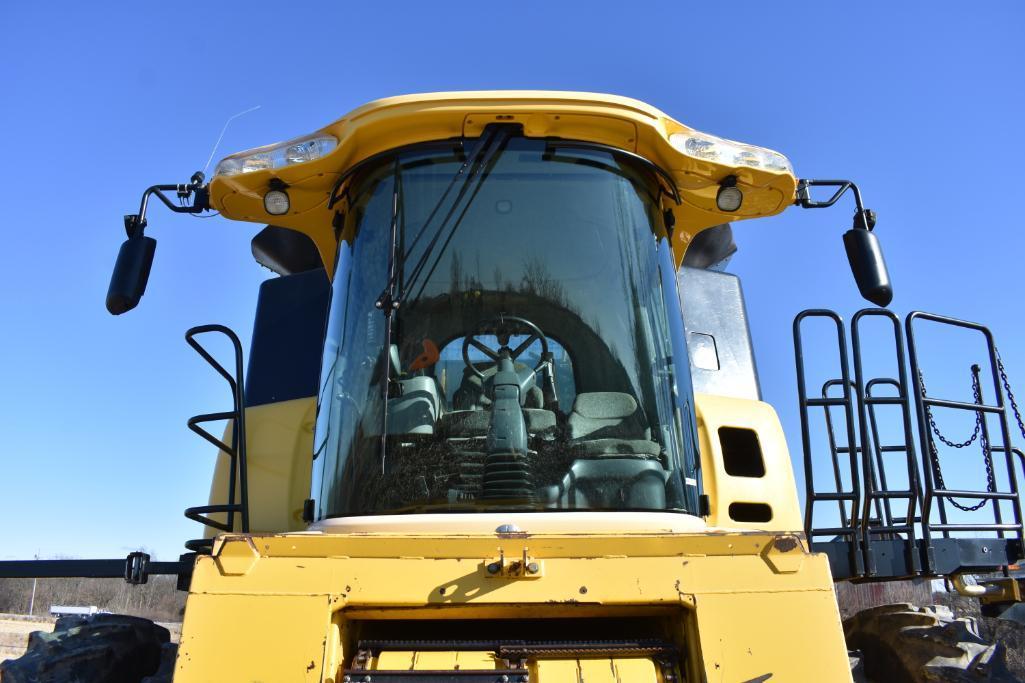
(498, 326)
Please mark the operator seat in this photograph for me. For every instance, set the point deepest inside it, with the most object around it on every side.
(609, 424)
(615, 463)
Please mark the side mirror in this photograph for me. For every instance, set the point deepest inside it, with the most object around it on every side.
(868, 265)
(131, 272)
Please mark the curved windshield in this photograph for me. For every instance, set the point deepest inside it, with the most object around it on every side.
(504, 334)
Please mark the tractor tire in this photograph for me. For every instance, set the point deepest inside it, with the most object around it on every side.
(165, 672)
(102, 648)
(902, 643)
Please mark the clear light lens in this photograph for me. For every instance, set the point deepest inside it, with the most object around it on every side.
(276, 202)
(257, 162)
(729, 198)
(711, 148)
(277, 156)
(308, 150)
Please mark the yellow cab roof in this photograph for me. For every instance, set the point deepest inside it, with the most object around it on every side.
(395, 122)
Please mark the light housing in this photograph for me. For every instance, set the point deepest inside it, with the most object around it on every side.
(729, 197)
(705, 147)
(297, 151)
(276, 202)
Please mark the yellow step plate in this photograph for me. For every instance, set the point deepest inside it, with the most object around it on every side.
(592, 670)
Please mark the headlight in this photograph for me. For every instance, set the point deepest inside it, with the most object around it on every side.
(297, 151)
(710, 148)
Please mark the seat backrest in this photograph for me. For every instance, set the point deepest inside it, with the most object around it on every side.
(607, 415)
(417, 409)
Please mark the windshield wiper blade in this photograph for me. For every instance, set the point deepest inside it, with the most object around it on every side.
(492, 143)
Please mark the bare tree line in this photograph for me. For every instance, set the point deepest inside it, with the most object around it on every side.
(158, 599)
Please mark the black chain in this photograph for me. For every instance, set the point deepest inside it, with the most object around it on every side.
(987, 456)
(1010, 394)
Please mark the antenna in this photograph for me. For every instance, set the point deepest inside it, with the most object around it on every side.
(221, 136)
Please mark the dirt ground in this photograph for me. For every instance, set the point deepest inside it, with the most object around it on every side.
(14, 630)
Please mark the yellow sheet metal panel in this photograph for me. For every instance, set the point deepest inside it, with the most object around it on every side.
(619, 670)
(229, 638)
(396, 660)
(751, 610)
(574, 575)
(777, 488)
(792, 636)
(398, 121)
(401, 660)
(279, 443)
(602, 670)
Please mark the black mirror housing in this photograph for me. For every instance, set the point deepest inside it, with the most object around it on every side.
(131, 273)
(868, 265)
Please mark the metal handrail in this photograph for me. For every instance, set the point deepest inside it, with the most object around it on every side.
(236, 452)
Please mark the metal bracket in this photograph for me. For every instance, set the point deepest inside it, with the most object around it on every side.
(135, 223)
(863, 218)
(524, 567)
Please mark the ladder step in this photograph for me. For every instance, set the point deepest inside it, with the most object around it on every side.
(832, 496)
(819, 402)
(885, 400)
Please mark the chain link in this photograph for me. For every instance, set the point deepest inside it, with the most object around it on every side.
(987, 456)
(1010, 394)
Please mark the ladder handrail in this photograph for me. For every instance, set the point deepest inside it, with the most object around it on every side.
(238, 478)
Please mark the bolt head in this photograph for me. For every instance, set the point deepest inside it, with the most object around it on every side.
(532, 568)
(493, 568)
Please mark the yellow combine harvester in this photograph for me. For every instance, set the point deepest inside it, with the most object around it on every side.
(530, 445)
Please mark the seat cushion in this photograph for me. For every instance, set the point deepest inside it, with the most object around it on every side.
(616, 448)
(540, 422)
(607, 415)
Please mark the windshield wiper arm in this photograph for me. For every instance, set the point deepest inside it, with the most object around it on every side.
(490, 147)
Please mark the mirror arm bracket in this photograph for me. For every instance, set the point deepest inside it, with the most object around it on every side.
(195, 189)
(864, 219)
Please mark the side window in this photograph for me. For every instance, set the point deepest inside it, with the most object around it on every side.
(449, 368)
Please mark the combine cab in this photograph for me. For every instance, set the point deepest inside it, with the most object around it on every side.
(501, 419)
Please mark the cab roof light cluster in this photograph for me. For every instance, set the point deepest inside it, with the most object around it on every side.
(705, 147)
(281, 155)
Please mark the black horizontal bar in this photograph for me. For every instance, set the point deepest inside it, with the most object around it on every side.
(819, 402)
(975, 527)
(893, 494)
(90, 569)
(961, 405)
(896, 528)
(832, 496)
(213, 417)
(978, 495)
(885, 449)
(436, 676)
(956, 322)
(885, 400)
(835, 531)
(207, 509)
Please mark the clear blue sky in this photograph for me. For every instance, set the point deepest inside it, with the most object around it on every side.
(920, 104)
